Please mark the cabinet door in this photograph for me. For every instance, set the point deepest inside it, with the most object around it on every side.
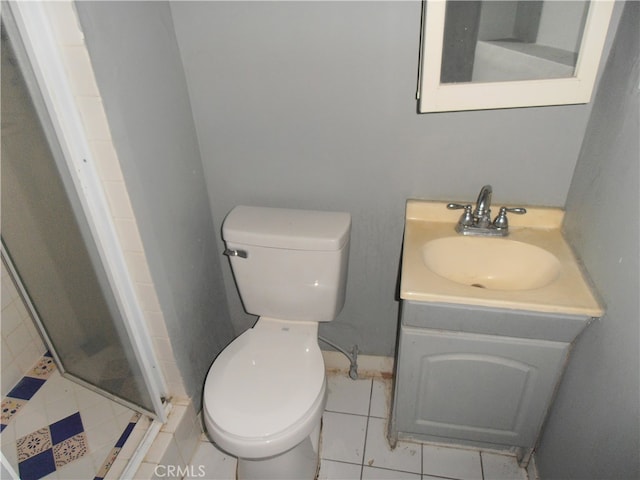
(479, 388)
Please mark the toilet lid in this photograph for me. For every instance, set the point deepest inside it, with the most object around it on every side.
(266, 380)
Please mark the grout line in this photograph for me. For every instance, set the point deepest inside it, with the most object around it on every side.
(421, 460)
(348, 413)
(366, 430)
(431, 475)
(375, 467)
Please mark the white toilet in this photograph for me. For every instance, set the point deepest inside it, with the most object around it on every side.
(265, 393)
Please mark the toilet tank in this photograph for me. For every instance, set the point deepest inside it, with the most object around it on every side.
(289, 264)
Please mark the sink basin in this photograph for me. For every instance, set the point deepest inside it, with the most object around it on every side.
(533, 269)
(491, 263)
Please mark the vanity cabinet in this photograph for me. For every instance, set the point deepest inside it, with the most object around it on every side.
(469, 385)
(479, 366)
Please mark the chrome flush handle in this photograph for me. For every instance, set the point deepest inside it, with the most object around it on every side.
(236, 253)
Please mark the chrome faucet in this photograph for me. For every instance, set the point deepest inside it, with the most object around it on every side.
(482, 214)
(478, 221)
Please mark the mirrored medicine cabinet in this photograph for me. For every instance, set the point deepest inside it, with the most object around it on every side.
(479, 55)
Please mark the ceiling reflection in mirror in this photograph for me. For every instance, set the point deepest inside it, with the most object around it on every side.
(499, 41)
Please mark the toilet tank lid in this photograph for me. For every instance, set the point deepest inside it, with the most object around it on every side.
(287, 228)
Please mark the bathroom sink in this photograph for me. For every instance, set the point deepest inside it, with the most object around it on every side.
(532, 269)
(493, 263)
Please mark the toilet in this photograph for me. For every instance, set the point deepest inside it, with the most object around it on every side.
(265, 393)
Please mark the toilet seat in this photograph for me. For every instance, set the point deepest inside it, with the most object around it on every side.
(266, 387)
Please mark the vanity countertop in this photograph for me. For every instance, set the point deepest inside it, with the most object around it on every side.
(570, 292)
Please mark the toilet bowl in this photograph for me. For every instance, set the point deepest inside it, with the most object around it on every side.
(265, 393)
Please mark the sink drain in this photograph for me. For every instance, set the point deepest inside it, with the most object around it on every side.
(478, 285)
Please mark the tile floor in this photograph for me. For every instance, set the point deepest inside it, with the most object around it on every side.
(56, 429)
(354, 445)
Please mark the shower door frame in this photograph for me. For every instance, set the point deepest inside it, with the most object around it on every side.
(29, 23)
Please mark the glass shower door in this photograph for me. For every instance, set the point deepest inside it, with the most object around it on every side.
(47, 239)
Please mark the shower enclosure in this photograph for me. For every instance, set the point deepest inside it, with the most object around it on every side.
(50, 247)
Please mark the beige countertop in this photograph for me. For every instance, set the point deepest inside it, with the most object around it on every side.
(570, 292)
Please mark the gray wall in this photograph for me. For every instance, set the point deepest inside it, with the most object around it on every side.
(139, 72)
(312, 105)
(593, 431)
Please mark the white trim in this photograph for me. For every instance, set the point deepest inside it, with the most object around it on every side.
(34, 27)
(144, 446)
(437, 97)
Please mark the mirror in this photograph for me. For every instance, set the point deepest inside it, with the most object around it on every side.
(504, 54)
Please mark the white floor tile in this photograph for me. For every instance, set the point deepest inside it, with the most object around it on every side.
(86, 398)
(132, 443)
(119, 410)
(406, 456)
(347, 395)
(124, 419)
(77, 470)
(330, 470)
(380, 398)
(95, 415)
(117, 467)
(210, 463)
(55, 388)
(343, 437)
(99, 456)
(104, 435)
(10, 451)
(158, 448)
(451, 462)
(27, 421)
(371, 473)
(145, 471)
(501, 467)
(60, 409)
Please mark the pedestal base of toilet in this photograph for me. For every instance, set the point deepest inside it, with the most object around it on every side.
(299, 463)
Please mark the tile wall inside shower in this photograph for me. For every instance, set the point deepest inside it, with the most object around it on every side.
(21, 343)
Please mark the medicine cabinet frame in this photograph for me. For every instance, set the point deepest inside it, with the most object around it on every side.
(434, 96)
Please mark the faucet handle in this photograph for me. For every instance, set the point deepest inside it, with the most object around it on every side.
(501, 221)
(466, 219)
(456, 206)
(518, 210)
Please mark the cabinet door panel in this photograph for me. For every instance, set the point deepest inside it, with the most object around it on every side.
(475, 387)
(460, 389)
